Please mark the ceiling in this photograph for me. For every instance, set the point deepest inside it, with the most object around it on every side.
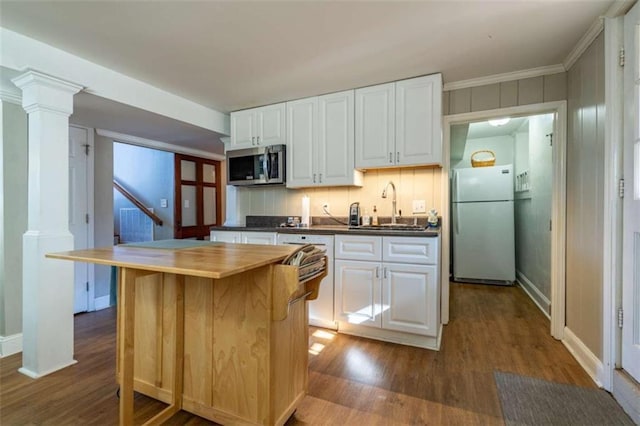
(230, 55)
(483, 129)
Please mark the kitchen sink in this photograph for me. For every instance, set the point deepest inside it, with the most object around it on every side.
(390, 227)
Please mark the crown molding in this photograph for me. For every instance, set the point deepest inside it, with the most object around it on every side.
(162, 146)
(7, 96)
(583, 44)
(509, 76)
(617, 8)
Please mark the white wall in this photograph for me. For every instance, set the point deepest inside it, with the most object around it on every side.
(502, 147)
(103, 208)
(14, 191)
(533, 209)
(148, 174)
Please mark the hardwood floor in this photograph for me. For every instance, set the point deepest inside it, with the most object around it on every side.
(352, 380)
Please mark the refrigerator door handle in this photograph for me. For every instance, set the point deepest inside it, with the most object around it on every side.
(455, 186)
(456, 215)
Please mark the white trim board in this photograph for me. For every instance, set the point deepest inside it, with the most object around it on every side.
(627, 392)
(591, 364)
(11, 97)
(612, 209)
(161, 146)
(535, 294)
(10, 345)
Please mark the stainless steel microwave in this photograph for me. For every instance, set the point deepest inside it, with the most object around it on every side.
(256, 166)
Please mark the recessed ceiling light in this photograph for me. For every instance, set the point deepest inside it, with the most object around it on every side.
(499, 121)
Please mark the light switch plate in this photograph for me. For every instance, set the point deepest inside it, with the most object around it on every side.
(419, 206)
(164, 203)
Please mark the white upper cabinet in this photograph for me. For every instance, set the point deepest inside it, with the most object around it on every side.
(302, 136)
(258, 127)
(399, 124)
(375, 126)
(320, 141)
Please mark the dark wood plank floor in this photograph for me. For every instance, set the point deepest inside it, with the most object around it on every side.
(352, 380)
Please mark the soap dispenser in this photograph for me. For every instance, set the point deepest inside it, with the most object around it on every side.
(374, 218)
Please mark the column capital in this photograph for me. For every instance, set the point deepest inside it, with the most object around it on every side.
(44, 92)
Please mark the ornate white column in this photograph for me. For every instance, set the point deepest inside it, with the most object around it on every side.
(47, 296)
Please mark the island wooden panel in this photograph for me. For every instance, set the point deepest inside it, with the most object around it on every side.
(239, 364)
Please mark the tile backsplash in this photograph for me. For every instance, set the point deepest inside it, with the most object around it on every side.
(411, 184)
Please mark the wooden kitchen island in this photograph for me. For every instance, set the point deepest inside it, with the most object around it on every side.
(216, 329)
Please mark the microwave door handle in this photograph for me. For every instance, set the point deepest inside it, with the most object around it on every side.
(266, 165)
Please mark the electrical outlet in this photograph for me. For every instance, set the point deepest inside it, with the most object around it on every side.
(419, 206)
(325, 208)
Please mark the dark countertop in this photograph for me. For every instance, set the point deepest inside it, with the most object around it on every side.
(332, 230)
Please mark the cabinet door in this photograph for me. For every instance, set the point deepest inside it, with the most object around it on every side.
(243, 129)
(357, 289)
(268, 238)
(271, 125)
(358, 247)
(410, 298)
(375, 126)
(335, 151)
(301, 139)
(418, 121)
(225, 236)
(417, 250)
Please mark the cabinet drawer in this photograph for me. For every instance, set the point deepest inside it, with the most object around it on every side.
(416, 250)
(225, 236)
(358, 247)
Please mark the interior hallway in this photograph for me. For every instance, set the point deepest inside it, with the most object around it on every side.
(352, 380)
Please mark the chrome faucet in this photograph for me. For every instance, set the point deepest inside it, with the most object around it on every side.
(393, 201)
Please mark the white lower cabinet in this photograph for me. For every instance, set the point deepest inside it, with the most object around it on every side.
(245, 237)
(409, 293)
(357, 290)
(390, 296)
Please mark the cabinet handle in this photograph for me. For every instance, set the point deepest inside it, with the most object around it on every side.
(320, 180)
(398, 157)
(377, 272)
(391, 157)
(314, 178)
(385, 272)
(257, 140)
(253, 140)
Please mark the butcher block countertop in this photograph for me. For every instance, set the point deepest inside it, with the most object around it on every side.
(184, 257)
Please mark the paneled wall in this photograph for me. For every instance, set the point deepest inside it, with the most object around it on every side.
(14, 204)
(411, 184)
(585, 196)
(527, 91)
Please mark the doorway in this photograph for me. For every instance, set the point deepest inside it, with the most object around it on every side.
(556, 121)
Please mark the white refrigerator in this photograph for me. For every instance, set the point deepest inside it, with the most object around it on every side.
(483, 225)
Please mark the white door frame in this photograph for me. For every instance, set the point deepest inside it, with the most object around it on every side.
(612, 215)
(558, 202)
(91, 305)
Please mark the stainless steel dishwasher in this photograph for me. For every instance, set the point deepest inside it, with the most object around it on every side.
(321, 309)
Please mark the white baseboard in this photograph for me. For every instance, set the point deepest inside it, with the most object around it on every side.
(102, 302)
(591, 364)
(535, 294)
(10, 345)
